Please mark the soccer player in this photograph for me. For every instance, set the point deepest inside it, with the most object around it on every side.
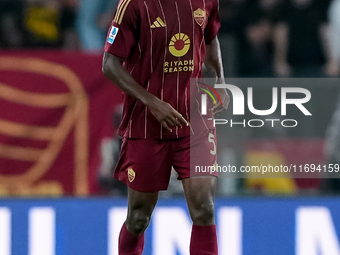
(153, 49)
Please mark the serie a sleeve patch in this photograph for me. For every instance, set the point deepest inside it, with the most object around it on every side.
(113, 34)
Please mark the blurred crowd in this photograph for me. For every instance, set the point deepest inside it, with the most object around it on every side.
(65, 24)
(283, 37)
(270, 38)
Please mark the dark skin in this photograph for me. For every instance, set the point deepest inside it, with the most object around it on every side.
(163, 112)
(200, 200)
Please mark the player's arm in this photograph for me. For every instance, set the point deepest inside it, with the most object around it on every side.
(163, 112)
(213, 62)
(332, 64)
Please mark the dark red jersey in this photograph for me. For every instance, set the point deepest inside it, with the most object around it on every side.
(163, 44)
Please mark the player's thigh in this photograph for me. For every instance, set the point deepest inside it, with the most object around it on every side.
(143, 201)
(196, 156)
(203, 154)
(199, 190)
(199, 193)
(140, 208)
(145, 164)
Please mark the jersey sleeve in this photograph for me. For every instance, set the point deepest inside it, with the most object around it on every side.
(123, 32)
(214, 24)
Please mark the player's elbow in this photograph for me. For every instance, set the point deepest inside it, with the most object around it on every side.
(105, 66)
(111, 65)
(107, 70)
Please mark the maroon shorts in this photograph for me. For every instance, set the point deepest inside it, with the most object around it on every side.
(145, 164)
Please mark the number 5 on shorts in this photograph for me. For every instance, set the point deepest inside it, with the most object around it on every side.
(212, 140)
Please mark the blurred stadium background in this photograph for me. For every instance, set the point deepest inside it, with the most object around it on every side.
(58, 143)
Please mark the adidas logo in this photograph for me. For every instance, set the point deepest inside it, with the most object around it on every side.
(158, 23)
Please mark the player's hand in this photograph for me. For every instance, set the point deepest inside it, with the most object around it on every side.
(332, 69)
(166, 114)
(225, 98)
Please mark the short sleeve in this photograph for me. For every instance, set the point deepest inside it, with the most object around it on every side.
(211, 30)
(123, 32)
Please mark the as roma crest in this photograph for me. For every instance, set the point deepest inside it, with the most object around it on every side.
(131, 175)
(199, 16)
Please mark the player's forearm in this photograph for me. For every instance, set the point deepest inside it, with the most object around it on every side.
(324, 31)
(116, 73)
(213, 60)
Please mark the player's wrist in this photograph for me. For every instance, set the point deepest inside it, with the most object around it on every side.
(220, 79)
(150, 101)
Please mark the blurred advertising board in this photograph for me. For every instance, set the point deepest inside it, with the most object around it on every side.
(248, 226)
(55, 109)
